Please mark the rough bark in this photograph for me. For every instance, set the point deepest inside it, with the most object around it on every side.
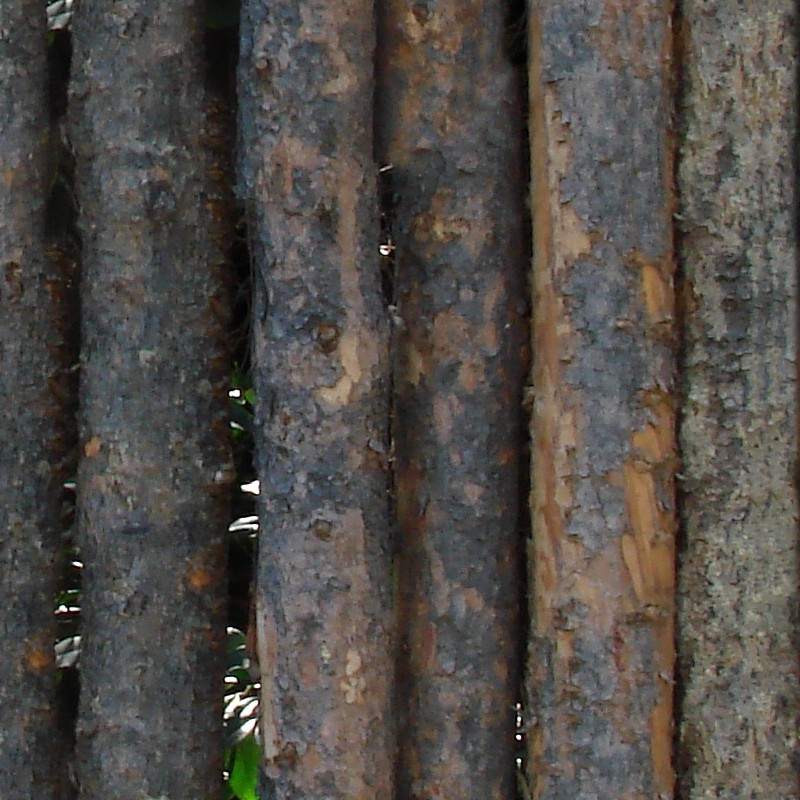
(738, 247)
(602, 557)
(154, 474)
(321, 378)
(29, 420)
(451, 126)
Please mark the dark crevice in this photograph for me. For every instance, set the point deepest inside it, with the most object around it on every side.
(681, 296)
(63, 251)
(221, 59)
(516, 33)
(387, 206)
(387, 199)
(221, 56)
(516, 46)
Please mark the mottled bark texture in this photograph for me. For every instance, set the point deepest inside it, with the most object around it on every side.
(154, 473)
(322, 382)
(451, 124)
(602, 556)
(29, 491)
(738, 590)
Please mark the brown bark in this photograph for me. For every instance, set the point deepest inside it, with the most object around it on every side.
(451, 127)
(602, 572)
(321, 377)
(29, 419)
(738, 586)
(154, 475)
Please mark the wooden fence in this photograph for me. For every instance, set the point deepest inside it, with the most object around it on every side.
(513, 292)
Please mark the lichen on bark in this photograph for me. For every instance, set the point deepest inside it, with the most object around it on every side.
(738, 591)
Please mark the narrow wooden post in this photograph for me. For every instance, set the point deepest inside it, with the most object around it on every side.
(450, 125)
(29, 424)
(738, 240)
(321, 375)
(600, 681)
(154, 476)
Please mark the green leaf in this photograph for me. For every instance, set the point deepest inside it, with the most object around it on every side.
(241, 417)
(244, 772)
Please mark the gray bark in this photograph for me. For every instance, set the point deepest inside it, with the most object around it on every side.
(738, 637)
(154, 475)
(450, 124)
(324, 592)
(29, 413)
(603, 431)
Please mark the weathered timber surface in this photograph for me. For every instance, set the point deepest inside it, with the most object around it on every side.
(322, 381)
(29, 424)
(154, 475)
(738, 591)
(450, 124)
(602, 557)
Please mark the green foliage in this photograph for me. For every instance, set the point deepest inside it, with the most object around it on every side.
(59, 15)
(241, 689)
(242, 762)
(243, 398)
(242, 753)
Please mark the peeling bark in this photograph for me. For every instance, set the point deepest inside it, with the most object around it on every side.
(602, 556)
(322, 383)
(29, 413)
(738, 593)
(154, 476)
(450, 124)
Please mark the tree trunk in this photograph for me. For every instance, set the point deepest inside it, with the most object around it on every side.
(322, 383)
(602, 565)
(451, 127)
(738, 246)
(154, 475)
(29, 418)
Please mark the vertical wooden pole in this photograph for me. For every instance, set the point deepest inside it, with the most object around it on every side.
(322, 382)
(602, 564)
(450, 125)
(155, 474)
(739, 250)
(29, 490)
